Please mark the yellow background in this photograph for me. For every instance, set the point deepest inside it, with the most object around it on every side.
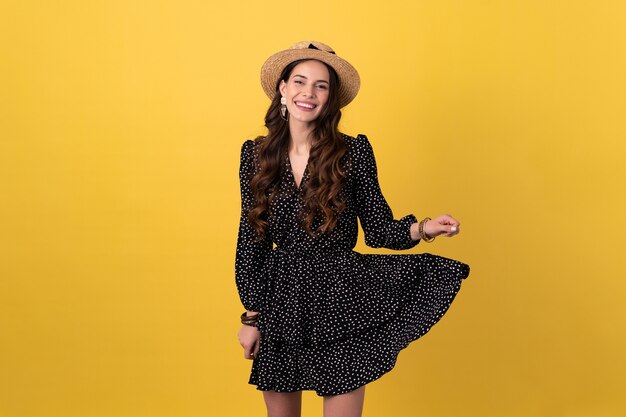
(120, 129)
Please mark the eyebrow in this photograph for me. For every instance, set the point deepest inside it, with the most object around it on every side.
(302, 76)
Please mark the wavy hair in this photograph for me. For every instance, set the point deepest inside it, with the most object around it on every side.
(322, 194)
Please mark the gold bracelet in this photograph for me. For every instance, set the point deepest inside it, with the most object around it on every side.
(421, 231)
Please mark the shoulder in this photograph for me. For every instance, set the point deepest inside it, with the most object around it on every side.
(248, 156)
(357, 142)
(358, 147)
(250, 147)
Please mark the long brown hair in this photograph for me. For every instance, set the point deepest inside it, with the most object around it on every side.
(322, 194)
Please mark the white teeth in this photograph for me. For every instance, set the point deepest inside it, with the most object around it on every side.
(308, 106)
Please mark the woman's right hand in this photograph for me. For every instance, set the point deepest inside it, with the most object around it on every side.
(249, 339)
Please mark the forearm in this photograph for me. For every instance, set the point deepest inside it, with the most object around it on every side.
(383, 231)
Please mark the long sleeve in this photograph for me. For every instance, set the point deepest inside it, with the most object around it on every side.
(379, 225)
(251, 255)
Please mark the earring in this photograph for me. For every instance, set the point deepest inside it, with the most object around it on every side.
(283, 108)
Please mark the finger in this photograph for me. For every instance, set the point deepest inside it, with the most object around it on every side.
(254, 349)
(452, 224)
(443, 220)
(246, 352)
(447, 230)
(446, 219)
(252, 356)
(454, 230)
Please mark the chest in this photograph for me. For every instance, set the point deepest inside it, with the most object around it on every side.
(298, 164)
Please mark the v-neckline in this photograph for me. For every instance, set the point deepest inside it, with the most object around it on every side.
(293, 177)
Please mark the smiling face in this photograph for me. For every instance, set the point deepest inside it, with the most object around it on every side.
(306, 91)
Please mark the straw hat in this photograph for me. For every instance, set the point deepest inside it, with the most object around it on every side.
(349, 80)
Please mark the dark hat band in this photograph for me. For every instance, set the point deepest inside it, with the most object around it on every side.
(311, 46)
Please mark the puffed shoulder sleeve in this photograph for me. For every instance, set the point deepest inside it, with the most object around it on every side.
(251, 255)
(379, 225)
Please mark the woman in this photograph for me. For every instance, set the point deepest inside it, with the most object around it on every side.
(320, 316)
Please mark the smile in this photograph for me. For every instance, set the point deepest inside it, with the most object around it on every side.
(305, 106)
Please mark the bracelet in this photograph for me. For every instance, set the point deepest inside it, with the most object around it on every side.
(421, 230)
(249, 320)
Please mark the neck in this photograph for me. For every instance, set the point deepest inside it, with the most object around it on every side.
(300, 135)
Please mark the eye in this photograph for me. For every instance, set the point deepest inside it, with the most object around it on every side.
(298, 82)
(322, 87)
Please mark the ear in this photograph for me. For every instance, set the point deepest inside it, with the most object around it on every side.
(282, 87)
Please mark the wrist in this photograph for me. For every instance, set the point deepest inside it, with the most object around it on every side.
(423, 235)
(414, 231)
(249, 319)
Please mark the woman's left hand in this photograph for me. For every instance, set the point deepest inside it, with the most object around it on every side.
(443, 225)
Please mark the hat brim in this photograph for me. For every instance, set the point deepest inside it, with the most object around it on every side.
(349, 80)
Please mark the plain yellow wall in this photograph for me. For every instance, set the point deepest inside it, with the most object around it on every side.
(120, 129)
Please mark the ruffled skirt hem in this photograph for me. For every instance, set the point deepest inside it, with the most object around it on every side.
(342, 365)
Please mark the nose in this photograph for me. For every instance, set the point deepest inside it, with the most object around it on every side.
(308, 91)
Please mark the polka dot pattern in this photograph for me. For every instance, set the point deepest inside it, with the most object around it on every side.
(333, 319)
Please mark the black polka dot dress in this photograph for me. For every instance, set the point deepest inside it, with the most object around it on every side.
(333, 319)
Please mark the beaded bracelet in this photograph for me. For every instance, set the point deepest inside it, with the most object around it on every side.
(421, 230)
